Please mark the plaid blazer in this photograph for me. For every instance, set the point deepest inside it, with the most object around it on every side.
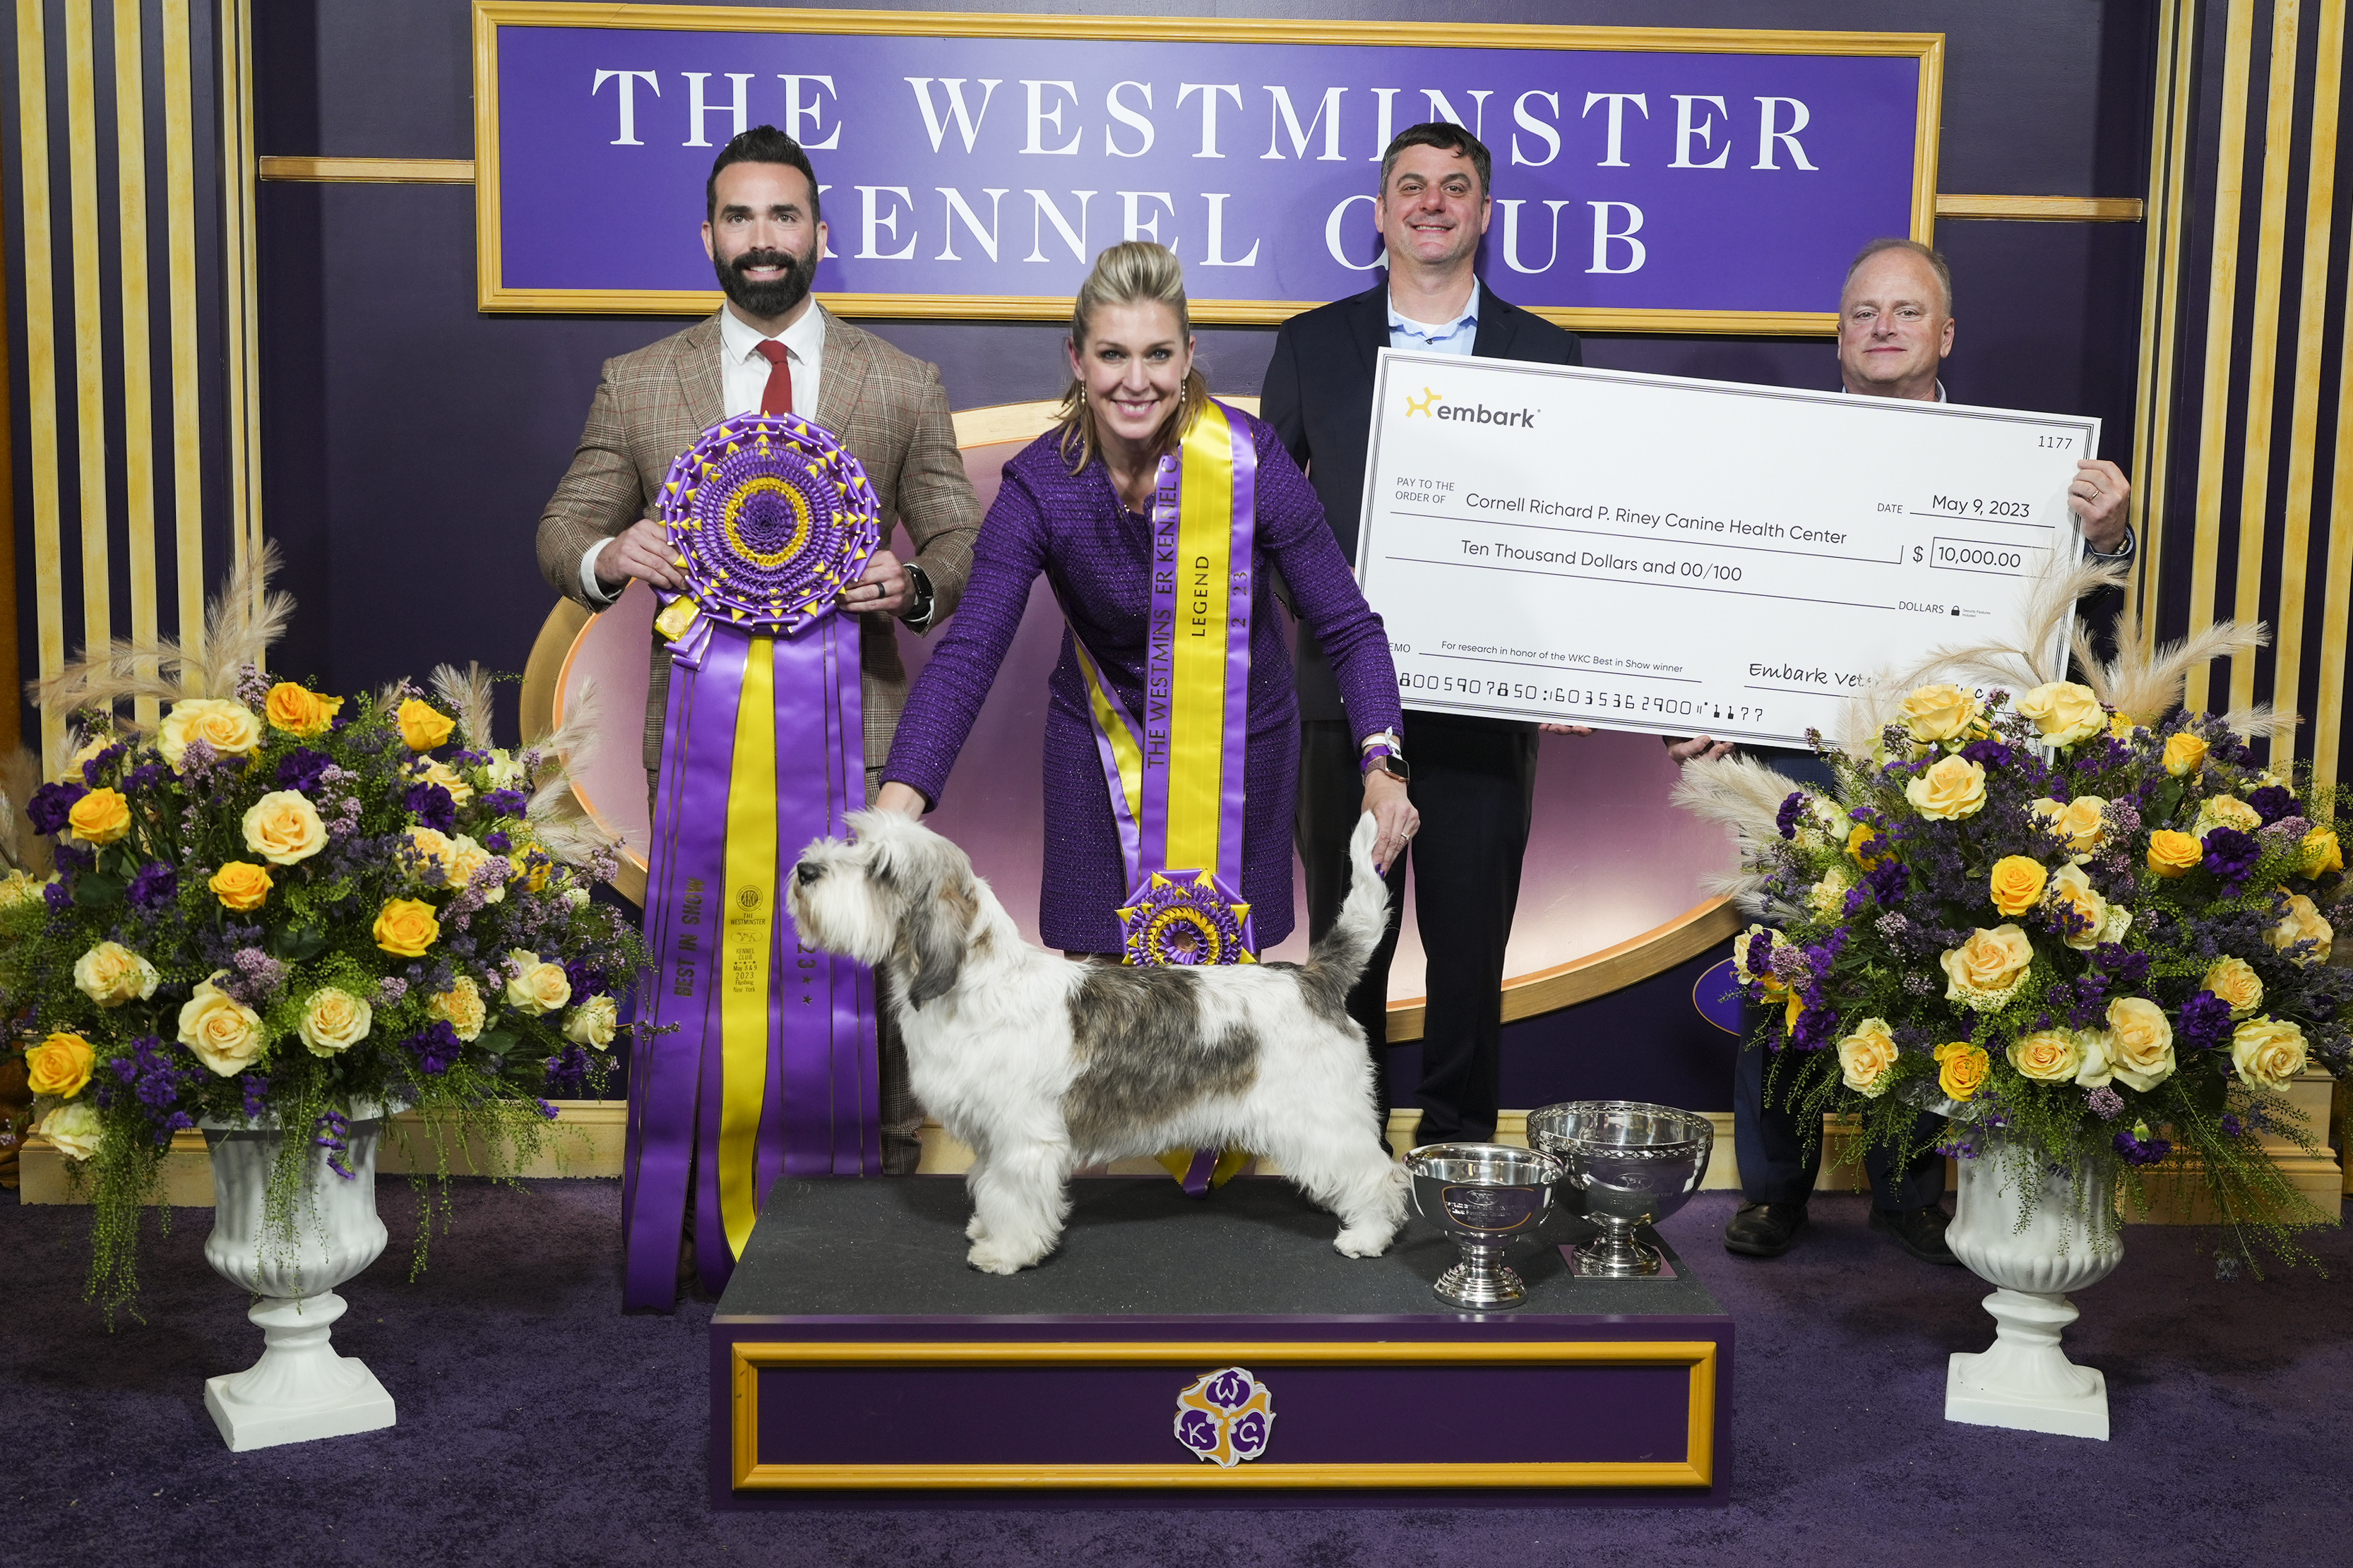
(886, 407)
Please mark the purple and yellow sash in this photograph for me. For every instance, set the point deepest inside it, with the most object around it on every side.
(762, 1058)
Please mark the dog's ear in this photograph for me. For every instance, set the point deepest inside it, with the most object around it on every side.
(932, 940)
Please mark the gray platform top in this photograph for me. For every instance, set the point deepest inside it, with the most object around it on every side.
(1135, 1247)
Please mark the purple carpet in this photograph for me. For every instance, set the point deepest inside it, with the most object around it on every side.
(538, 1426)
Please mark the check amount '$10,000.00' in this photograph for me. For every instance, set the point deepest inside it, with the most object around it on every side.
(1654, 554)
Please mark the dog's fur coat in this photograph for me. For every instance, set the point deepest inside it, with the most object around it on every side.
(1043, 1065)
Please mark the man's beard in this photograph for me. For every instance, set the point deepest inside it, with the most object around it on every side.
(766, 300)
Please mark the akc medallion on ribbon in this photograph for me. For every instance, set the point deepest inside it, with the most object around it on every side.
(761, 1060)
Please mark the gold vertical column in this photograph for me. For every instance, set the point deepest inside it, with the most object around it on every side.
(237, 235)
(2221, 303)
(41, 359)
(138, 350)
(187, 368)
(89, 363)
(2168, 162)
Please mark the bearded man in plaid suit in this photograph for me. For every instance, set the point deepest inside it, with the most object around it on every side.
(772, 349)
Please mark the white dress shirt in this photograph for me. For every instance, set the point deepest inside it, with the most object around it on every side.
(744, 373)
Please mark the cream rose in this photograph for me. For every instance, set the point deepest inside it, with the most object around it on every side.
(225, 1033)
(2072, 889)
(2226, 811)
(1866, 1055)
(1742, 945)
(576, 896)
(448, 777)
(2081, 823)
(1941, 714)
(110, 975)
(504, 770)
(2304, 922)
(2047, 1056)
(2139, 1042)
(2268, 1052)
(1983, 972)
(425, 854)
(2097, 1067)
(466, 858)
(228, 728)
(535, 987)
(19, 887)
(73, 1129)
(461, 1007)
(1828, 897)
(592, 1023)
(1951, 787)
(2064, 712)
(333, 1021)
(284, 827)
(2237, 983)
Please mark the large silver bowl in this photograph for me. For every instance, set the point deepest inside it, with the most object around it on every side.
(1486, 1196)
(1631, 1164)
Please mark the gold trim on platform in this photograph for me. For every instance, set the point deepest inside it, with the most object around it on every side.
(369, 170)
(748, 1357)
(2044, 210)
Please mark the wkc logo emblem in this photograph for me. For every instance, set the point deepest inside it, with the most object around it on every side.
(1429, 399)
(1226, 1418)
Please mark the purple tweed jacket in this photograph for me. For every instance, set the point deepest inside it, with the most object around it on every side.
(886, 407)
(1076, 530)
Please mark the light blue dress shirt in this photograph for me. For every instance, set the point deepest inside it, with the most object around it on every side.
(1454, 338)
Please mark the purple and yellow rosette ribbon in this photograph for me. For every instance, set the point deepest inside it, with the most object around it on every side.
(762, 1059)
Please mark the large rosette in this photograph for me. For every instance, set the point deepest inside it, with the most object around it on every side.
(773, 516)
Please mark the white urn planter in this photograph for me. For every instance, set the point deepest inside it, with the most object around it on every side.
(300, 1388)
(2024, 1380)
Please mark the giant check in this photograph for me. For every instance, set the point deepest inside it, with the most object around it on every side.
(1650, 552)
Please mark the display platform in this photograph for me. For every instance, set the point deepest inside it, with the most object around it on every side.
(1212, 1349)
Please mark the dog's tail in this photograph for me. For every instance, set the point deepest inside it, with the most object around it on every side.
(1342, 954)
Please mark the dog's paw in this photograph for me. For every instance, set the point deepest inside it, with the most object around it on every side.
(992, 1260)
(1363, 1241)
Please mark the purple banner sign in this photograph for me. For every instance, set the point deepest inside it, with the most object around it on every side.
(974, 166)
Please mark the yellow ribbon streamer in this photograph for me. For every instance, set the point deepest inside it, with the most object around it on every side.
(746, 936)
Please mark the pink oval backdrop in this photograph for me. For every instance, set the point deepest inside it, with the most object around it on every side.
(1607, 857)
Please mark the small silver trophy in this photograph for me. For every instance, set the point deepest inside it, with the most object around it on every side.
(1486, 1195)
(1631, 1164)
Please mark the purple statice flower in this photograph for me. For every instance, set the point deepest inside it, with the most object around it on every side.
(2129, 970)
(506, 802)
(253, 687)
(2205, 1021)
(256, 1094)
(431, 806)
(1887, 881)
(567, 1074)
(2105, 1103)
(2271, 803)
(254, 976)
(57, 897)
(198, 760)
(301, 768)
(1918, 983)
(2139, 1149)
(332, 1133)
(1793, 806)
(1988, 754)
(95, 769)
(496, 843)
(389, 990)
(436, 1047)
(146, 776)
(1892, 925)
(2231, 855)
(75, 857)
(587, 979)
(156, 884)
(2232, 1126)
(51, 804)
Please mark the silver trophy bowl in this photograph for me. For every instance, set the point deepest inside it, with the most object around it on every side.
(1486, 1196)
(1631, 1164)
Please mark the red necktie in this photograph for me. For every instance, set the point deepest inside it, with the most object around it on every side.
(776, 398)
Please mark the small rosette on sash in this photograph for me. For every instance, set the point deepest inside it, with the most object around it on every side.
(1183, 918)
(762, 1059)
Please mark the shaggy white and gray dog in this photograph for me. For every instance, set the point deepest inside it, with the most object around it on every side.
(1043, 1065)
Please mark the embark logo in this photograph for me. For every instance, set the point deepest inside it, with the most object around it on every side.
(1480, 413)
(1429, 400)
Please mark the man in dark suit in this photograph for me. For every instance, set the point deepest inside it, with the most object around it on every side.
(1472, 779)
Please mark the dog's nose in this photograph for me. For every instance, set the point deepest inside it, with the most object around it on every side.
(805, 873)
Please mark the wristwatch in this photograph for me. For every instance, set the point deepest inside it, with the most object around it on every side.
(1384, 751)
(919, 608)
(2105, 559)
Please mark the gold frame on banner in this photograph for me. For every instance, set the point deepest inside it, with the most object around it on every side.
(490, 15)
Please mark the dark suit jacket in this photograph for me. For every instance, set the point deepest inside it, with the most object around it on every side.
(1318, 395)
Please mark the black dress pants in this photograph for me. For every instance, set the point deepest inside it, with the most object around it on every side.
(1475, 784)
(1776, 1166)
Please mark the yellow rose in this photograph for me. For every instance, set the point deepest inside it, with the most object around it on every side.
(2322, 853)
(2226, 811)
(333, 1021)
(2237, 983)
(73, 1130)
(2017, 884)
(2080, 822)
(2172, 854)
(1863, 848)
(1941, 712)
(225, 1034)
(19, 887)
(427, 853)
(466, 858)
(2064, 712)
(461, 1007)
(89, 750)
(1961, 1069)
(228, 728)
(60, 1064)
(406, 927)
(2268, 1052)
(1866, 1055)
(535, 987)
(301, 711)
(1986, 968)
(241, 885)
(2122, 726)
(442, 773)
(284, 827)
(2302, 922)
(537, 868)
(424, 726)
(2185, 754)
(2100, 921)
(592, 1023)
(101, 816)
(1828, 895)
(1952, 787)
(110, 975)
(2047, 1056)
(2139, 1042)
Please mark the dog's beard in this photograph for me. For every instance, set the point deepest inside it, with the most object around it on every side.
(772, 299)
